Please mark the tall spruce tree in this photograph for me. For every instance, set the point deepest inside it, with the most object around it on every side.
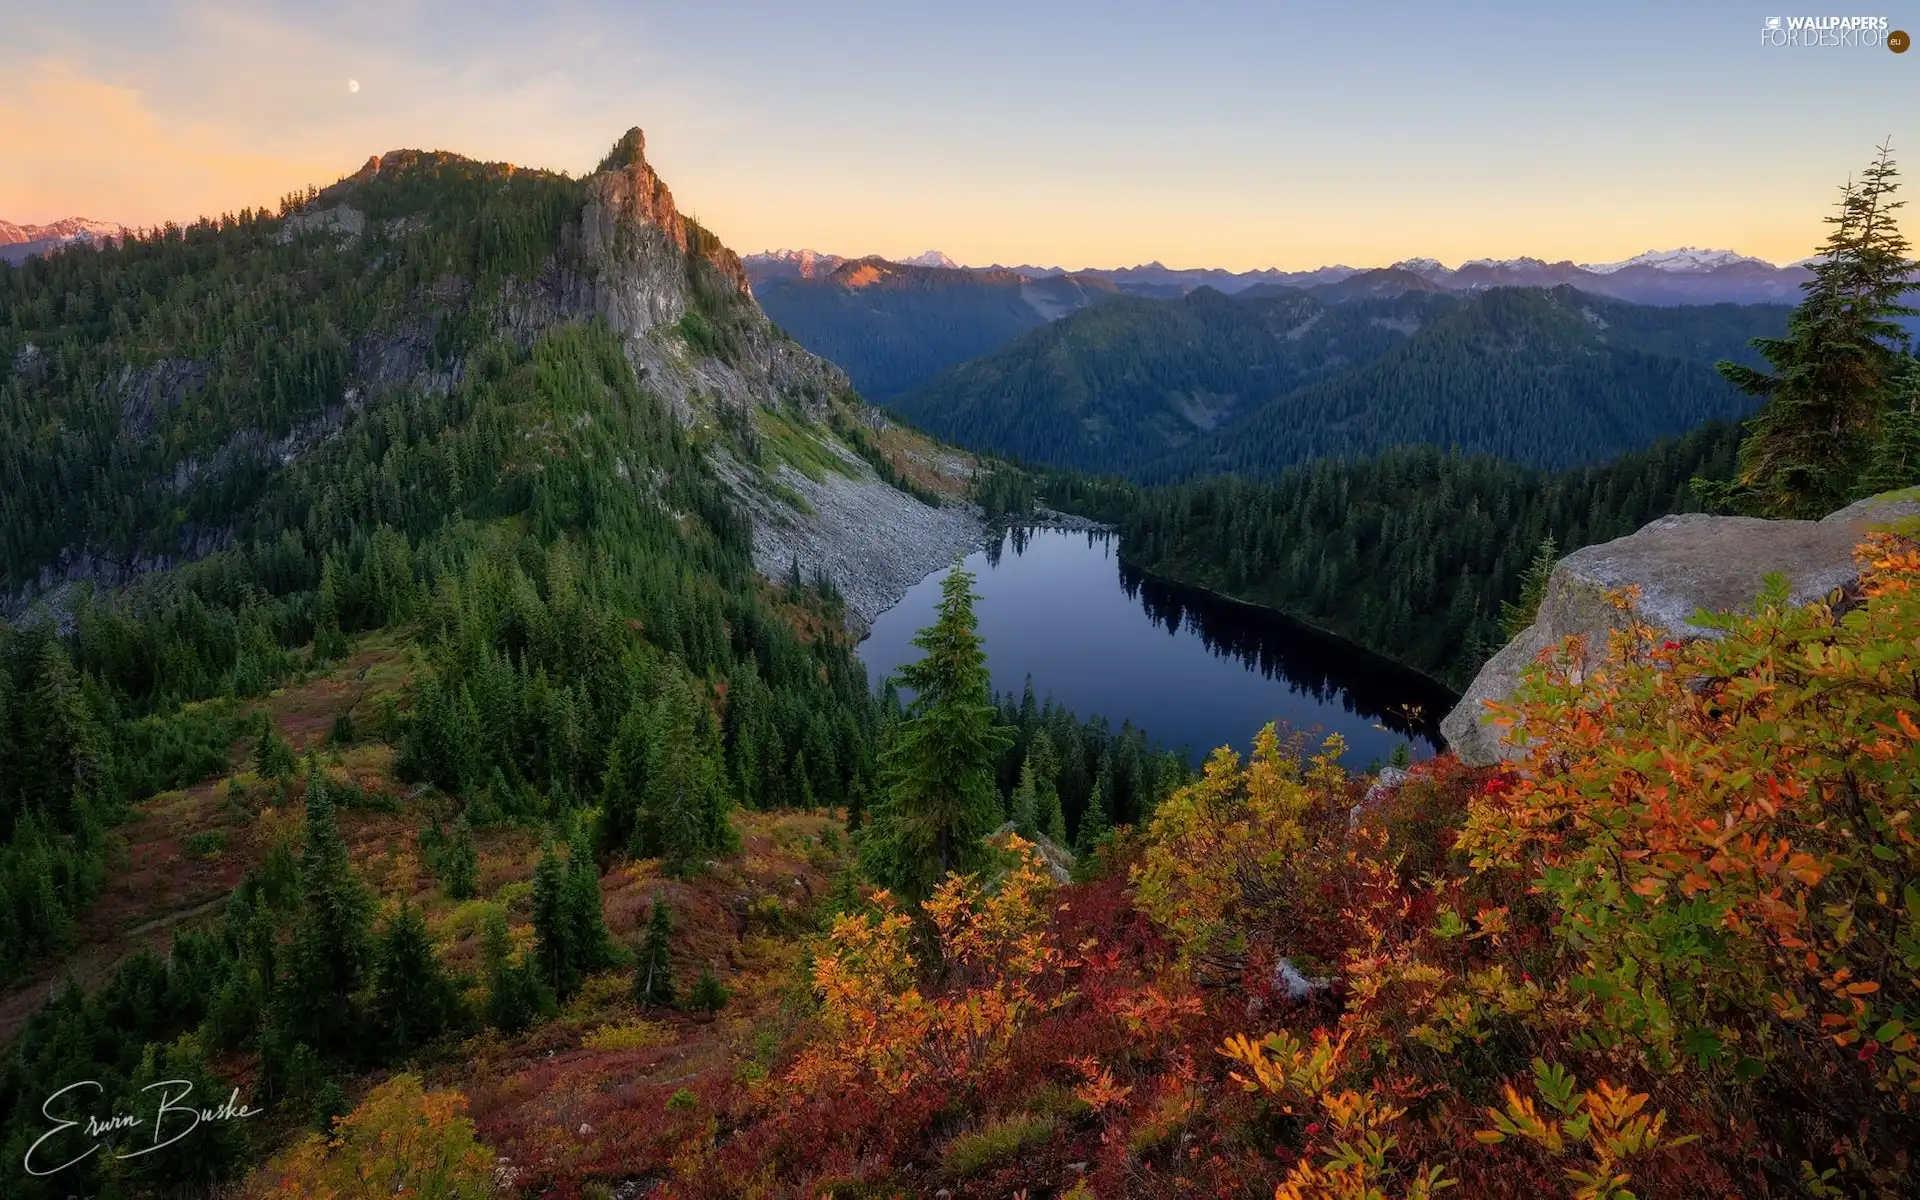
(1094, 822)
(940, 796)
(460, 863)
(553, 955)
(326, 960)
(515, 995)
(653, 966)
(1833, 375)
(1026, 802)
(413, 999)
(685, 800)
(569, 930)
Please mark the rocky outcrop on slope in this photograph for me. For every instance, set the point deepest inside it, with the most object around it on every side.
(873, 540)
(1682, 565)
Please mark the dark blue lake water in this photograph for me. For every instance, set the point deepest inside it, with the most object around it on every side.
(1193, 670)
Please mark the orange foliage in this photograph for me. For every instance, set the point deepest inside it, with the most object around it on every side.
(876, 1019)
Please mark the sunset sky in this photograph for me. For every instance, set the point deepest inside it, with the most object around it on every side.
(1082, 134)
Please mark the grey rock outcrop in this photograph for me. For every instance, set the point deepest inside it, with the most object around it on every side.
(1682, 564)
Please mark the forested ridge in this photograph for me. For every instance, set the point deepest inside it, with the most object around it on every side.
(1415, 553)
(1169, 390)
(889, 326)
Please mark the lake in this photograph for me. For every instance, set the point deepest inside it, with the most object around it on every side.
(1193, 670)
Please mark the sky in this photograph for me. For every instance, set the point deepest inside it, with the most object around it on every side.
(1105, 133)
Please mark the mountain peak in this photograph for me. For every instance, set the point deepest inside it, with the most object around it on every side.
(630, 149)
(626, 186)
(1683, 259)
(929, 258)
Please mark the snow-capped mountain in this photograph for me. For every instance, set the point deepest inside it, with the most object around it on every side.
(1686, 275)
(812, 264)
(19, 242)
(791, 264)
(929, 258)
(1686, 258)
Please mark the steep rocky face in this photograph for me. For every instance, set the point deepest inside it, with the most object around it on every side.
(628, 194)
(1682, 565)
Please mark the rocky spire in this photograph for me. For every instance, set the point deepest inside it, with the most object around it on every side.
(627, 190)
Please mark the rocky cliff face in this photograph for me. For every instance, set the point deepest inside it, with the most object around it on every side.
(1682, 565)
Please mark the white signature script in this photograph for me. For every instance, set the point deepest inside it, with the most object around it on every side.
(173, 1115)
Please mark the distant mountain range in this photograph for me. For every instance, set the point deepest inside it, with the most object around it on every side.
(893, 326)
(20, 242)
(1687, 275)
(1249, 384)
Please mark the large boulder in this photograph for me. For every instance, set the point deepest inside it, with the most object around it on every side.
(1681, 564)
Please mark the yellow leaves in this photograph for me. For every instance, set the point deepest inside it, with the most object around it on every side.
(1283, 1066)
(876, 1021)
(1607, 1123)
(400, 1142)
(1208, 832)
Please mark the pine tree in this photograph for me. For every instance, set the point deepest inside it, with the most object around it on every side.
(326, 960)
(940, 797)
(653, 966)
(1026, 803)
(1518, 614)
(591, 945)
(623, 787)
(413, 999)
(329, 643)
(1094, 822)
(1807, 450)
(515, 996)
(460, 864)
(553, 951)
(1050, 816)
(685, 802)
(1895, 462)
(709, 994)
(273, 758)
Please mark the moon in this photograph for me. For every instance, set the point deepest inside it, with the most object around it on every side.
(353, 85)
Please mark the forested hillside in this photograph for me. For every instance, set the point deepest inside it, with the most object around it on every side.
(890, 326)
(436, 453)
(1171, 389)
(1117, 386)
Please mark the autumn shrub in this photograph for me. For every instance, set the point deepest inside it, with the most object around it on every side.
(881, 1025)
(400, 1141)
(1723, 833)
